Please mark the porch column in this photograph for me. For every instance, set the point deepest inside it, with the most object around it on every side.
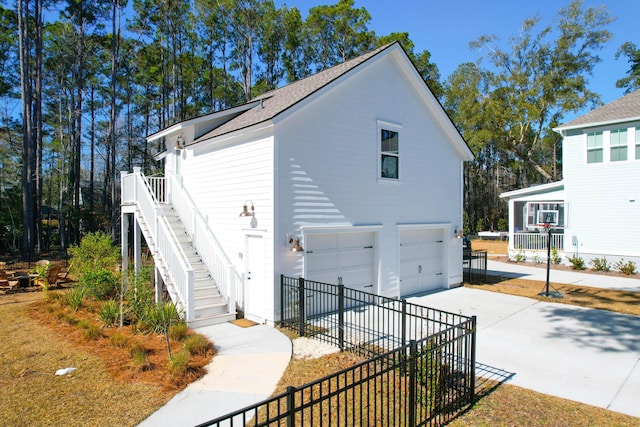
(512, 222)
(124, 253)
(137, 247)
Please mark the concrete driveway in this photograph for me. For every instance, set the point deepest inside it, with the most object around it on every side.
(586, 355)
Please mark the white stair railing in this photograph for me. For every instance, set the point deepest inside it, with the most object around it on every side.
(136, 189)
(205, 242)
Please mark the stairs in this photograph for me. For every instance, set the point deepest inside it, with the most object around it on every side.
(210, 307)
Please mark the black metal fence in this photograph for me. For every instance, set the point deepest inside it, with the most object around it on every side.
(18, 262)
(357, 321)
(424, 383)
(474, 266)
(420, 371)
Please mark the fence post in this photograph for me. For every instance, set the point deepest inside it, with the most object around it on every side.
(473, 360)
(301, 299)
(413, 405)
(341, 317)
(281, 300)
(403, 337)
(291, 406)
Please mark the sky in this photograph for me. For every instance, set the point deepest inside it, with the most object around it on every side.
(445, 28)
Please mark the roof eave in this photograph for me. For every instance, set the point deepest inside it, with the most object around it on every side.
(561, 129)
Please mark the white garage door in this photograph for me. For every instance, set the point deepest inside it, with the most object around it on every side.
(421, 261)
(346, 258)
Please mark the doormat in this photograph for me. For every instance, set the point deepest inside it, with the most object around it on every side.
(244, 323)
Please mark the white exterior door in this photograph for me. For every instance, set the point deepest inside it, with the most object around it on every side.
(422, 266)
(346, 258)
(255, 296)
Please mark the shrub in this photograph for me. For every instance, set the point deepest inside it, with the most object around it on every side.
(109, 312)
(600, 264)
(139, 356)
(95, 252)
(119, 340)
(577, 263)
(537, 259)
(502, 225)
(102, 284)
(197, 344)
(156, 318)
(627, 268)
(75, 297)
(179, 362)
(555, 258)
(519, 256)
(178, 331)
(93, 332)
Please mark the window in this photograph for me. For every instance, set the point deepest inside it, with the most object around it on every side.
(389, 154)
(637, 143)
(594, 147)
(618, 143)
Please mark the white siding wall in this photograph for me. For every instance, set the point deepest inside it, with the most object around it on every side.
(220, 179)
(604, 200)
(327, 161)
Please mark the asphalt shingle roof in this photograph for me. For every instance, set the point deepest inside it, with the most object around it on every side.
(625, 108)
(279, 100)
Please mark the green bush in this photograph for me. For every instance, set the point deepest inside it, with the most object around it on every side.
(140, 356)
(577, 263)
(75, 296)
(502, 225)
(600, 264)
(178, 331)
(95, 252)
(555, 257)
(627, 268)
(109, 312)
(197, 344)
(179, 362)
(156, 318)
(93, 332)
(119, 340)
(102, 284)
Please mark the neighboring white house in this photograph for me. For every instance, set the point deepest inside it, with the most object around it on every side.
(600, 189)
(358, 165)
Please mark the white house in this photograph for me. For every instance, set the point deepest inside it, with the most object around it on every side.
(352, 176)
(600, 192)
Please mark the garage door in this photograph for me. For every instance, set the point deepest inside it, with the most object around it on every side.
(346, 258)
(421, 261)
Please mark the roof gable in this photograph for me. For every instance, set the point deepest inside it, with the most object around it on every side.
(271, 104)
(622, 109)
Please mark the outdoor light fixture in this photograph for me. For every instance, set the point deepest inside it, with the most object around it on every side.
(245, 210)
(179, 142)
(295, 245)
(459, 234)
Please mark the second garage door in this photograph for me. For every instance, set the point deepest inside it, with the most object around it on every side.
(421, 261)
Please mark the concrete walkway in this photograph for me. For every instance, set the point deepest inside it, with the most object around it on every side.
(524, 271)
(246, 370)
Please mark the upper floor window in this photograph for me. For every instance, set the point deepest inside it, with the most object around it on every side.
(618, 143)
(637, 143)
(594, 147)
(389, 154)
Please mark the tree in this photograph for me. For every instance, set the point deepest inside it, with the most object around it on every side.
(539, 79)
(632, 81)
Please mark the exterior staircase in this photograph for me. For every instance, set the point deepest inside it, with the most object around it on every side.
(189, 281)
(209, 305)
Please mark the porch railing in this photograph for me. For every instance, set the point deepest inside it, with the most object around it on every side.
(206, 243)
(537, 241)
(136, 190)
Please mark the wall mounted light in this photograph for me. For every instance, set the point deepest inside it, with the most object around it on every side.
(245, 209)
(295, 245)
(179, 142)
(458, 233)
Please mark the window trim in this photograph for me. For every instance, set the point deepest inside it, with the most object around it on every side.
(596, 148)
(392, 127)
(637, 143)
(621, 145)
